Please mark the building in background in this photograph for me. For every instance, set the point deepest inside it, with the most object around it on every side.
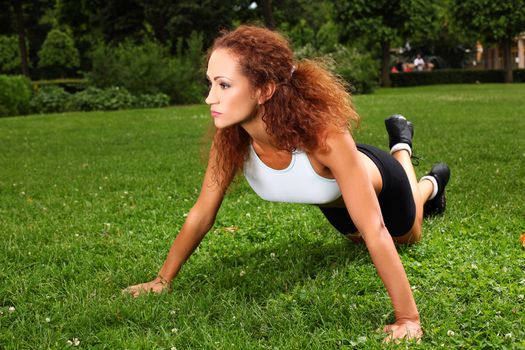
(492, 57)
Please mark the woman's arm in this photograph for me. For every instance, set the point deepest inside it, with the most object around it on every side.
(361, 201)
(199, 221)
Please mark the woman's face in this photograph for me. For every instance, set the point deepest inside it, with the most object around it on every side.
(232, 99)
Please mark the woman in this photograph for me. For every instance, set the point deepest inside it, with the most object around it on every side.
(286, 124)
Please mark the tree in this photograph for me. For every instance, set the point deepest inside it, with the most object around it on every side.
(17, 6)
(492, 22)
(9, 57)
(22, 18)
(266, 7)
(387, 22)
(58, 53)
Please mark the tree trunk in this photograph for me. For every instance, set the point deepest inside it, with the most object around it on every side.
(266, 6)
(17, 5)
(507, 59)
(385, 63)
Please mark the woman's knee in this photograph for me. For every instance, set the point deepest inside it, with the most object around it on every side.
(412, 236)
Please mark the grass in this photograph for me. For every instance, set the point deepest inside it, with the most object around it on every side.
(90, 203)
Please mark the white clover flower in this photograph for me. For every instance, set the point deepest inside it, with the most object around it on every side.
(248, 215)
(450, 333)
(174, 330)
(173, 348)
(508, 335)
(272, 255)
(73, 342)
(48, 319)
(11, 309)
(242, 273)
(173, 312)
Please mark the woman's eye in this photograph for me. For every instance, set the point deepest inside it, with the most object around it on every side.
(224, 85)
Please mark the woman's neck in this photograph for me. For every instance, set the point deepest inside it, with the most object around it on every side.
(256, 128)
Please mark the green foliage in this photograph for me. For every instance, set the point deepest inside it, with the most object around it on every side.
(141, 69)
(388, 21)
(148, 69)
(58, 54)
(93, 99)
(327, 37)
(151, 101)
(50, 99)
(379, 24)
(454, 76)
(9, 57)
(300, 34)
(359, 69)
(15, 94)
(486, 20)
(187, 69)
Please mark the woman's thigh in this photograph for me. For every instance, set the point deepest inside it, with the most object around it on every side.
(394, 196)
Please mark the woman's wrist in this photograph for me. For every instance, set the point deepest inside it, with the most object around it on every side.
(161, 280)
(414, 317)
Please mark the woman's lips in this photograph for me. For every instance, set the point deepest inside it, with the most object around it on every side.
(215, 114)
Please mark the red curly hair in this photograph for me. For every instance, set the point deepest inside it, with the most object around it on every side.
(308, 100)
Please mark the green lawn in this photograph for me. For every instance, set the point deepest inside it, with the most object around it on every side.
(90, 203)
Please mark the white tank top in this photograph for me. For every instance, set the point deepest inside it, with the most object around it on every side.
(298, 183)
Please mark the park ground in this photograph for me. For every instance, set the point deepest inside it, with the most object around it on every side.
(91, 202)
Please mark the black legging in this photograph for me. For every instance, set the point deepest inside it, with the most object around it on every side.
(395, 199)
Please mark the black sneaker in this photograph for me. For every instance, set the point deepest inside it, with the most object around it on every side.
(399, 130)
(436, 206)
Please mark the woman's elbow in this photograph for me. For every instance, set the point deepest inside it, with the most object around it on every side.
(200, 219)
(375, 231)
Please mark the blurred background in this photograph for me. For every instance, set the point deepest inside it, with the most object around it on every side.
(82, 54)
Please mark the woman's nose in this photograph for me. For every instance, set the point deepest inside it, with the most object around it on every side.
(211, 98)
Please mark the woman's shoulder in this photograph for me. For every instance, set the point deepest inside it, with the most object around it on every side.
(334, 142)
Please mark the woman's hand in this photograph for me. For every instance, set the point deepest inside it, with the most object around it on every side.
(403, 329)
(158, 285)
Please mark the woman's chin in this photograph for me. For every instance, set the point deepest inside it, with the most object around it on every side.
(220, 124)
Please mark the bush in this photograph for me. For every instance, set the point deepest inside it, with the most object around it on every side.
(519, 75)
(152, 101)
(360, 70)
(141, 69)
(50, 99)
(58, 54)
(9, 56)
(93, 99)
(53, 99)
(148, 68)
(454, 76)
(15, 94)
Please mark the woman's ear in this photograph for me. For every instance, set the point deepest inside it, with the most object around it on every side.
(266, 92)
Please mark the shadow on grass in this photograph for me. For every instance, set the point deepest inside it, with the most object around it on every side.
(263, 272)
